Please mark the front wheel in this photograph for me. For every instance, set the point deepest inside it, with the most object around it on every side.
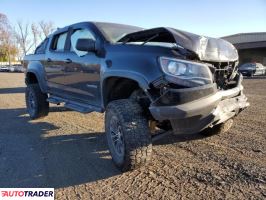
(127, 134)
(219, 129)
(36, 101)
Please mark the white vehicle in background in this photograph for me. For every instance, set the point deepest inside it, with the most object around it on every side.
(19, 68)
(16, 68)
(4, 68)
(12, 69)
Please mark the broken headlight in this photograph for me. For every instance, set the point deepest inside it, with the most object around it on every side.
(186, 73)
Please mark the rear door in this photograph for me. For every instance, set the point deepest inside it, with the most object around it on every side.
(55, 61)
(82, 72)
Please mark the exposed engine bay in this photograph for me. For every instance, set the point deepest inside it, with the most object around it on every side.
(220, 55)
(224, 74)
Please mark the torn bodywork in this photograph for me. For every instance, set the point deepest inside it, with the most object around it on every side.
(205, 48)
(191, 110)
(210, 96)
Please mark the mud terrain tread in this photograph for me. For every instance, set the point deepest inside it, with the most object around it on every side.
(136, 133)
(41, 99)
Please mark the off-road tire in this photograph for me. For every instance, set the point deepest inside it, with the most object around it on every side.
(40, 107)
(135, 132)
(218, 129)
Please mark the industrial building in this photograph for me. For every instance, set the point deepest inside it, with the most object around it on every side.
(251, 46)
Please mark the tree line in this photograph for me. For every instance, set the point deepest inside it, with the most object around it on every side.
(18, 40)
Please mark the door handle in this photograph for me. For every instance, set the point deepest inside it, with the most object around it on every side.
(49, 60)
(68, 60)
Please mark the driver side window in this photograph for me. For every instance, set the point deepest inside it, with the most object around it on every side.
(80, 34)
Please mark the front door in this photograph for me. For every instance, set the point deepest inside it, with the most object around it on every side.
(82, 72)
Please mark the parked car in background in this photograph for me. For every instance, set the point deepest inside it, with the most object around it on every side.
(251, 69)
(12, 69)
(18, 68)
(4, 68)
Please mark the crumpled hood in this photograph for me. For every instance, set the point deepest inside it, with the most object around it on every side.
(206, 48)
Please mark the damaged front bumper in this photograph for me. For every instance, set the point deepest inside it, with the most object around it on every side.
(199, 107)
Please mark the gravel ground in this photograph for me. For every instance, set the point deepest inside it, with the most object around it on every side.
(68, 151)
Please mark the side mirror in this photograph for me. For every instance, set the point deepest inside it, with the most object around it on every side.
(85, 45)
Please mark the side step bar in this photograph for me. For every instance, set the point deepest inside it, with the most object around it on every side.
(79, 107)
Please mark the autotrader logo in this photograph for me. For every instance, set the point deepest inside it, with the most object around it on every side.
(27, 193)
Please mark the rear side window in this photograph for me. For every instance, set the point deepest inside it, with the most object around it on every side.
(42, 47)
(59, 41)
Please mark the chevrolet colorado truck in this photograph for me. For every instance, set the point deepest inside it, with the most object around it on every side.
(145, 80)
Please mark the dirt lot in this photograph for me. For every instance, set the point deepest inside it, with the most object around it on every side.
(67, 150)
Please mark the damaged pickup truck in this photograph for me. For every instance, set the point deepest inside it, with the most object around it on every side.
(144, 81)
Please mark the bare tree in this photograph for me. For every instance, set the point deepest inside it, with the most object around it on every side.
(47, 28)
(7, 45)
(4, 24)
(22, 35)
(35, 33)
(19, 40)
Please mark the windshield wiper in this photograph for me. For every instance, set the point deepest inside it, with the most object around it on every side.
(147, 40)
(126, 40)
(150, 38)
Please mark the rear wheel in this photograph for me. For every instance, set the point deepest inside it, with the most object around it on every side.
(36, 101)
(127, 134)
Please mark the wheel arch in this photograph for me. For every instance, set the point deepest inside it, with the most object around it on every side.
(118, 86)
(35, 74)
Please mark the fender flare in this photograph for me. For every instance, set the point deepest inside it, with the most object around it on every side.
(37, 69)
(135, 76)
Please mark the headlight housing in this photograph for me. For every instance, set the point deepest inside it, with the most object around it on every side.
(186, 73)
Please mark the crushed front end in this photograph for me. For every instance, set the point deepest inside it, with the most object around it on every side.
(200, 86)
(197, 95)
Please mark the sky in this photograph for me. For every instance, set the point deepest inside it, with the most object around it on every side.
(215, 18)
